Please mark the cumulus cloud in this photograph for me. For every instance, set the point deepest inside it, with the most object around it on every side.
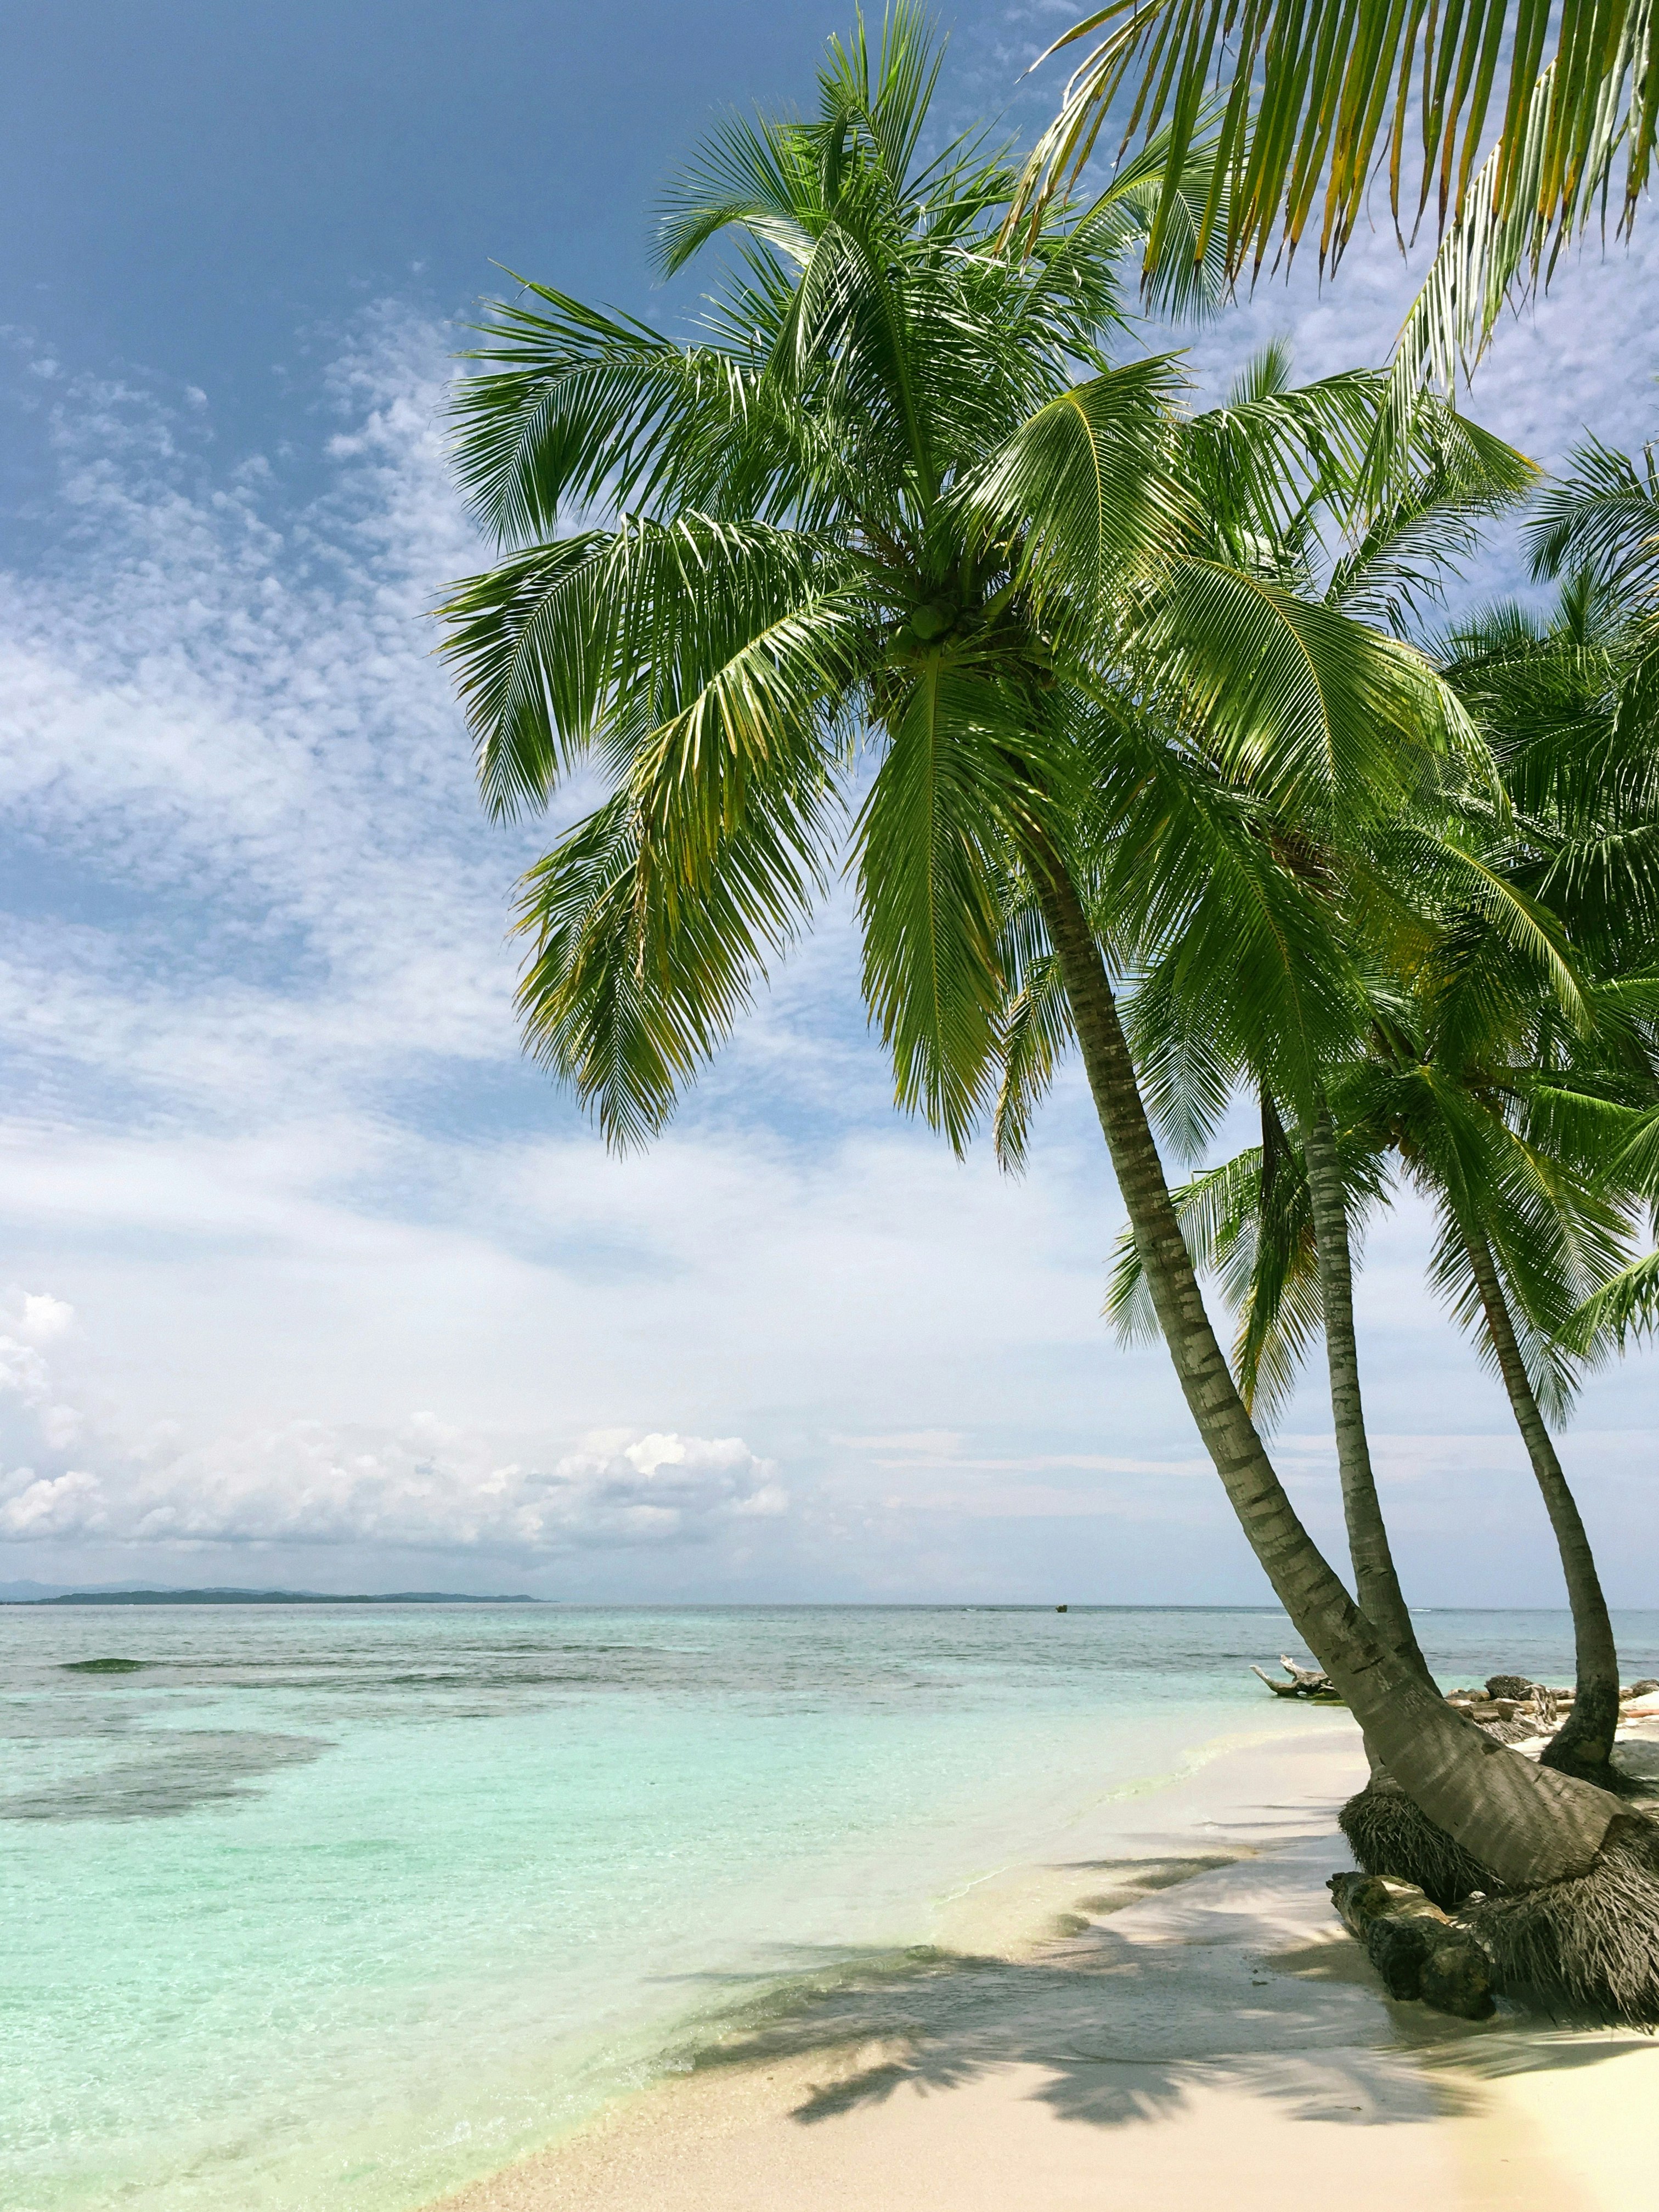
(70, 1504)
(29, 1321)
(429, 1488)
(429, 1484)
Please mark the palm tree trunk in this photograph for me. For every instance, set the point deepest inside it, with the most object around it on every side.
(1584, 1745)
(1376, 1583)
(1526, 1824)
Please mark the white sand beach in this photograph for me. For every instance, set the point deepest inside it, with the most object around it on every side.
(1195, 2029)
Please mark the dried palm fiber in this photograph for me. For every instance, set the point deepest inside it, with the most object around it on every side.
(1389, 1835)
(1594, 1940)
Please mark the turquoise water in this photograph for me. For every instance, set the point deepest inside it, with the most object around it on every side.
(330, 1907)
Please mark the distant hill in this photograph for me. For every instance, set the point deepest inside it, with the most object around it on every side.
(106, 1596)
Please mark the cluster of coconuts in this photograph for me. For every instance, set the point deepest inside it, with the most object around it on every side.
(934, 620)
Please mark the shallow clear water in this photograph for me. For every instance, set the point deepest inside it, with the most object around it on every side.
(337, 1907)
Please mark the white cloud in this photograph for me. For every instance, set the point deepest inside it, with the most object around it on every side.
(22, 1370)
(427, 1484)
(68, 1504)
(41, 1317)
(29, 1319)
(433, 1486)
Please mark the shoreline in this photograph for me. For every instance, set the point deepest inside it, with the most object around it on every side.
(1178, 2011)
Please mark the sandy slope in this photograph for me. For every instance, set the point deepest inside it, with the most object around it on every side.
(1185, 2039)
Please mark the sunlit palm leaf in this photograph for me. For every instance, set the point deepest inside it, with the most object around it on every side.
(1314, 95)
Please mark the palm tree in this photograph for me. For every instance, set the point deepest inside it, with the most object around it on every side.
(1568, 704)
(896, 537)
(1304, 103)
(1381, 546)
(1521, 1235)
(1530, 1134)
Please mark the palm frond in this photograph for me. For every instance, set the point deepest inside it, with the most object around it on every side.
(957, 777)
(631, 986)
(1087, 483)
(1312, 99)
(1312, 710)
(1625, 1307)
(1601, 520)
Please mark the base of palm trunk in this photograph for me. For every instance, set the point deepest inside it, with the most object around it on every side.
(1584, 1743)
(1592, 1941)
(1589, 1945)
(1389, 1835)
(1569, 1759)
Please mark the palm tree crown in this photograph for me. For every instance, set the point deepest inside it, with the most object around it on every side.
(895, 551)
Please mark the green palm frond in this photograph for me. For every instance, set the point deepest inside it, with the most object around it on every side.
(1219, 1212)
(1037, 1023)
(1086, 483)
(1421, 519)
(1267, 458)
(631, 986)
(1314, 710)
(1552, 1235)
(1248, 1223)
(1601, 518)
(957, 778)
(1625, 1307)
(1036, 1030)
(701, 632)
(768, 182)
(1506, 914)
(1187, 1062)
(574, 407)
(1489, 258)
(532, 641)
(1314, 98)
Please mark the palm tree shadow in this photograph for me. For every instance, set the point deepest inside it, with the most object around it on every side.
(1126, 2017)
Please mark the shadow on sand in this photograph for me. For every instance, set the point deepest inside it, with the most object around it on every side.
(1173, 1974)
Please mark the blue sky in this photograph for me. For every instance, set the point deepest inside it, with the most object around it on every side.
(306, 1277)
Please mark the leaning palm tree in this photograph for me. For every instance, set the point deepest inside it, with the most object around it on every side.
(1380, 544)
(1522, 1232)
(1570, 704)
(1531, 1133)
(897, 538)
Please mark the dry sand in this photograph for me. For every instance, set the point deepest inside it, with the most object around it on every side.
(1198, 2031)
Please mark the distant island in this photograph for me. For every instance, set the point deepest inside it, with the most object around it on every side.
(275, 1597)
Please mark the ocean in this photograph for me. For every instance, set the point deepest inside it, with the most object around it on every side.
(322, 1907)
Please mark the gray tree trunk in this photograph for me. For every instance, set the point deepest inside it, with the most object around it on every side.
(1375, 1581)
(1527, 1824)
(1584, 1743)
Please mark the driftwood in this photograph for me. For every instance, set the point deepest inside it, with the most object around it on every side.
(1304, 1682)
(1417, 1949)
(1509, 1706)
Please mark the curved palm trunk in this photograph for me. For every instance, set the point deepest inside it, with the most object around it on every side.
(1526, 1824)
(1584, 1744)
(1376, 1583)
